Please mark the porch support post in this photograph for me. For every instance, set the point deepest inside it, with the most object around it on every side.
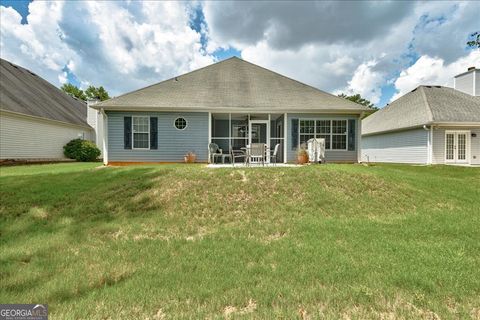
(229, 132)
(209, 134)
(105, 137)
(269, 131)
(285, 134)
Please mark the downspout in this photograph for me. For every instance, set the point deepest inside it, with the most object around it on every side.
(285, 134)
(105, 137)
(359, 138)
(429, 143)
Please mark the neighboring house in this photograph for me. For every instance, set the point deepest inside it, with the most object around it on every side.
(231, 103)
(36, 118)
(429, 125)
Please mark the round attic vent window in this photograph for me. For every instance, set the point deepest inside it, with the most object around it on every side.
(180, 123)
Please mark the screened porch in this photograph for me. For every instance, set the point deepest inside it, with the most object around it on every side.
(236, 131)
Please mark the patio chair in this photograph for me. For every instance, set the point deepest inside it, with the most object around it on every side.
(213, 152)
(274, 154)
(256, 152)
(237, 154)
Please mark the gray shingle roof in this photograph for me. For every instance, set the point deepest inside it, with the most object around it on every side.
(232, 84)
(424, 105)
(24, 92)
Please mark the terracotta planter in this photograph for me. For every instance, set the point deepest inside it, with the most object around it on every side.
(190, 158)
(302, 158)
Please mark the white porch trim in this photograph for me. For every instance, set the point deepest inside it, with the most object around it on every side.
(285, 133)
(105, 137)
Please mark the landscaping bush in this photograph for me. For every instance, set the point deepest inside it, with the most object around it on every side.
(81, 150)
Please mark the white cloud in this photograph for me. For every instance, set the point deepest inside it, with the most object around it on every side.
(129, 44)
(307, 41)
(433, 71)
(366, 82)
(120, 45)
(62, 78)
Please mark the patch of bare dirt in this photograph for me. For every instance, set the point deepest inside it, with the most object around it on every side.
(251, 306)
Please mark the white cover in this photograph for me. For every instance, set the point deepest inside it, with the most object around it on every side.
(316, 149)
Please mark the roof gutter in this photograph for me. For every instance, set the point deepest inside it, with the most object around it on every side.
(458, 124)
(230, 110)
(398, 129)
(424, 126)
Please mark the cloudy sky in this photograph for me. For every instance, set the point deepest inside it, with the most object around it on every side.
(378, 49)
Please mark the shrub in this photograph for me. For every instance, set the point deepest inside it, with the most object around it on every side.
(81, 150)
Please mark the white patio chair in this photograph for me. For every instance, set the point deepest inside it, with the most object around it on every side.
(257, 153)
(274, 154)
(213, 152)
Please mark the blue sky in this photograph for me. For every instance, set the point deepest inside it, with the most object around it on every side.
(20, 5)
(403, 45)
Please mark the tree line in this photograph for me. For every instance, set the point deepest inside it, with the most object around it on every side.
(91, 93)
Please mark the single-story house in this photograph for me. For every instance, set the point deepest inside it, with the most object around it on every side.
(231, 103)
(429, 125)
(36, 118)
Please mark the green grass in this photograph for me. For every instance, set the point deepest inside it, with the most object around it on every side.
(183, 242)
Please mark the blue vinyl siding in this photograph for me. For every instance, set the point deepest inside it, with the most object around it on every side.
(409, 146)
(330, 155)
(173, 144)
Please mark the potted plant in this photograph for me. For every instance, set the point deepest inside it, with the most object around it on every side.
(302, 155)
(190, 157)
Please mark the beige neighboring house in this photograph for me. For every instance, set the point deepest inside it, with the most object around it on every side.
(429, 125)
(36, 118)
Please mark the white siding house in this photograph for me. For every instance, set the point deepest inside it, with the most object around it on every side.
(36, 118)
(429, 125)
(27, 137)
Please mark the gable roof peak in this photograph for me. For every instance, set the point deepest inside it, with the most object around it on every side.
(232, 83)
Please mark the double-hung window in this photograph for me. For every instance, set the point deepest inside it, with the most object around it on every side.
(323, 130)
(141, 132)
(339, 134)
(333, 131)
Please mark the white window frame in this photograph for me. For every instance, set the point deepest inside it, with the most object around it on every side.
(133, 133)
(186, 123)
(338, 134)
(329, 134)
(468, 146)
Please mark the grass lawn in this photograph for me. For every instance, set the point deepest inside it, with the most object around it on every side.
(183, 242)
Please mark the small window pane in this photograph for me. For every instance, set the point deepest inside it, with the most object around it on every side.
(327, 140)
(323, 126)
(307, 126)
(140, 124)
(180, 123)
(339, 142)
(140, 140)
(305, 137)
(339, 126)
